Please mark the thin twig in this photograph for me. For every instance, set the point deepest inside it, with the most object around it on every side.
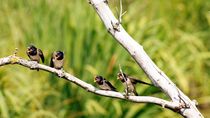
(121, 12)
(125, 79)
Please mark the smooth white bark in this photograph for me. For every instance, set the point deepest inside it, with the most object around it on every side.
(158, 78)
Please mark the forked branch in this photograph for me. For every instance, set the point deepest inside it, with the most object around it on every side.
(179, 101)
(157, 76)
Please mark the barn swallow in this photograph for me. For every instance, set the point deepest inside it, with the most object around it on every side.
(57, 60)
(129, 83)
(104, 84)
(35, 54)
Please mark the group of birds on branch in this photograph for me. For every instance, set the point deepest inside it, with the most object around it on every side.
(57, 61)
(128, 82)
(36, 54)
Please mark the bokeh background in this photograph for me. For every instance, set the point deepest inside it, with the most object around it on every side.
(175, 34)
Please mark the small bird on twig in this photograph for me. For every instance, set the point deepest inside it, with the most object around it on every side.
(57, 60)
(35, 54)
(129, 83)
(104, 84)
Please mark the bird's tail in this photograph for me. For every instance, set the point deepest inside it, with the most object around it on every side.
(142, 82)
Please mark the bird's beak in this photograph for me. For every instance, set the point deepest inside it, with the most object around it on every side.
(94, 79)
(118, 75)
(28, 48)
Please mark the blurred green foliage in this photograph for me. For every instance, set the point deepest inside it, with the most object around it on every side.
(175, 34)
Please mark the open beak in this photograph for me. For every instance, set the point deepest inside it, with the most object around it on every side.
(28, 49)
(95, 79)
(118, 77)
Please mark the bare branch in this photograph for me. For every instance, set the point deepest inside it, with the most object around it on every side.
(13, 59)
(157, 77)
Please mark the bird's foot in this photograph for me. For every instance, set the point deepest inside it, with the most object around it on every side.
(125, 94)
(34, 65)
(61, 73)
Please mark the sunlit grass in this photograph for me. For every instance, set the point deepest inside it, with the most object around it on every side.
(174, 33)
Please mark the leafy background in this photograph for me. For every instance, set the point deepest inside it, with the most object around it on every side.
(175, 34)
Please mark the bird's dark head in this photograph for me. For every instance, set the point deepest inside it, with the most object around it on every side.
(122, 76)
(98, 79)
(59, 55)
(32, 50)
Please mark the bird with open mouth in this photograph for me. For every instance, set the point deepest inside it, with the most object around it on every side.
(103, 83)
(130, 83)
(35, 54)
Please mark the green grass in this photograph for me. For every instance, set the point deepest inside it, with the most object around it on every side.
(174, 33)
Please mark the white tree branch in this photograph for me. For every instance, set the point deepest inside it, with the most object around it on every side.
(90, 88)
(157, 77)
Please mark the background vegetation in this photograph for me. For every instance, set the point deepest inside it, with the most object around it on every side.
(175, 33)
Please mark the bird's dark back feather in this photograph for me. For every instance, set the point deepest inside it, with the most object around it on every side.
(41, 55)
(112, 87)
(51, 62)
(135, 81)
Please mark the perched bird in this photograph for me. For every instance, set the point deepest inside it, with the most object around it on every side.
(129, 83)
(35, 54)
(57, 60)
(104, 84)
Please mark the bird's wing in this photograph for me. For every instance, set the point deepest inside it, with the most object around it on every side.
(135, 93)
(135, 81)
(41, 55)
(110, 85)
(51, 61)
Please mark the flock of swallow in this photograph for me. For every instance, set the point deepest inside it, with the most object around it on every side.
(128, 82)
(36, 54)
(57, 61)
